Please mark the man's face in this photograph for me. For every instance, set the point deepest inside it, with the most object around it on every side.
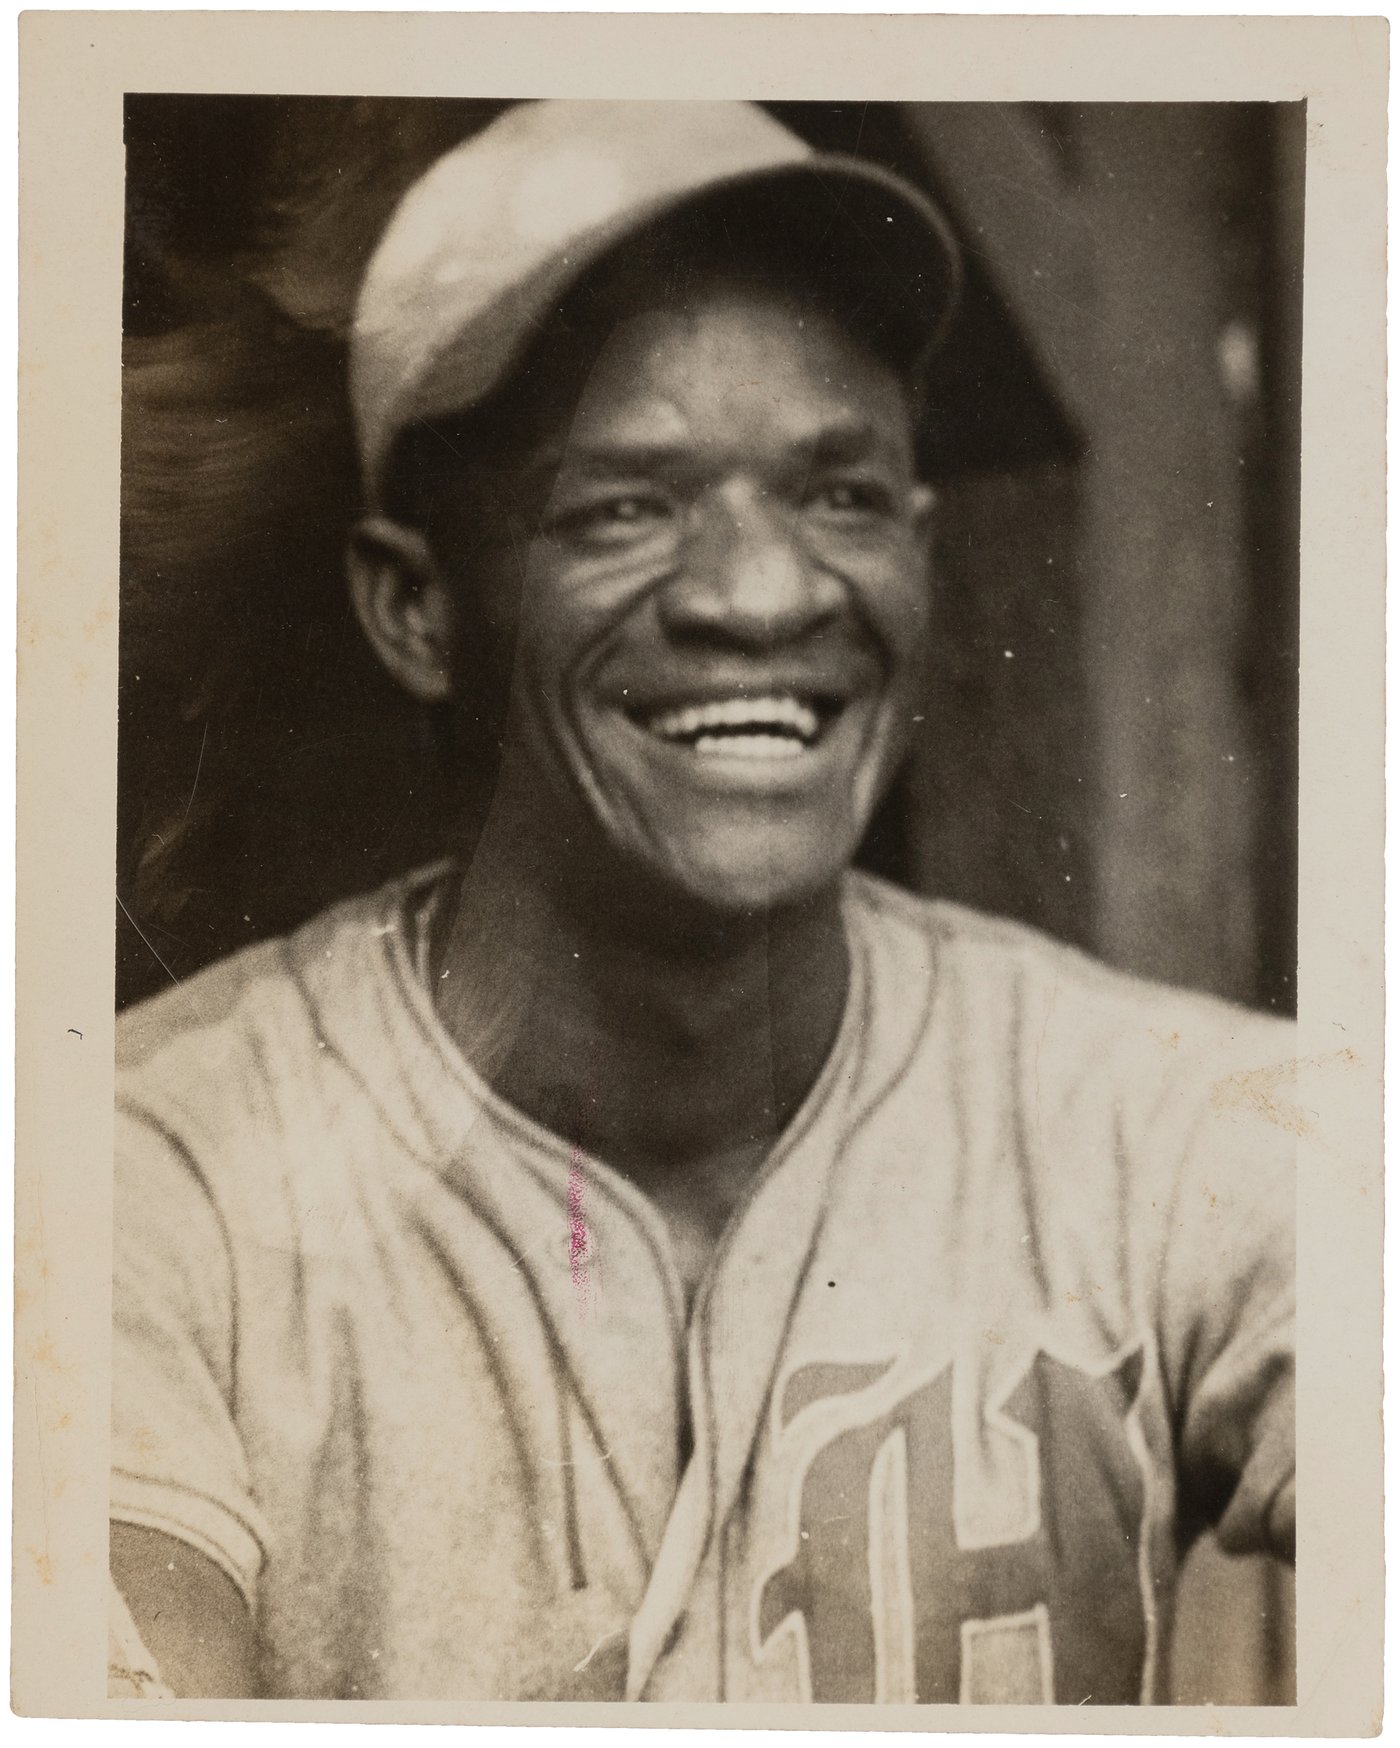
(723, 602)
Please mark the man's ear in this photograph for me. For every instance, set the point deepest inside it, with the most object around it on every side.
(405, 606)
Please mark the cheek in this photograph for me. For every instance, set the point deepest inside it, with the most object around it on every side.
(560, 624)
(515, 599)
(573, 611)
(898, 606)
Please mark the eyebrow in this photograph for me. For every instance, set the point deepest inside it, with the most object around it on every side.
(840, 441)
(844, 440)
(607, 458)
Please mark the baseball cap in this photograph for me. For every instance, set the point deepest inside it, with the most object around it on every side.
(484, 245)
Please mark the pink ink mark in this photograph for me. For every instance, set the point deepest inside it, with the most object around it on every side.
(578, 1233)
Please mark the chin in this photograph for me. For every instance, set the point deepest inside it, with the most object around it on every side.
(742, 883)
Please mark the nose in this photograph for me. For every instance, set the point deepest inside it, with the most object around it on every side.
(746, 578)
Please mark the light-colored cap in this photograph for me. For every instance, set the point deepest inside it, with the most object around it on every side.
(482, 246)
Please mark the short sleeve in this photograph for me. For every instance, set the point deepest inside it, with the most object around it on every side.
(177, 1462)
(1229, 1307)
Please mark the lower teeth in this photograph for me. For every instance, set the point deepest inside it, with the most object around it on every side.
(750, 746)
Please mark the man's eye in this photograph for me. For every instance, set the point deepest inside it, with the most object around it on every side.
(614, 521)
(854, 497)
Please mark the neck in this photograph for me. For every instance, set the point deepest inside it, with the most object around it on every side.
(657, 1046)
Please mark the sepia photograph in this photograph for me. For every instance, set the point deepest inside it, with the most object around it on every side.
(708, 1102)
(705, 864)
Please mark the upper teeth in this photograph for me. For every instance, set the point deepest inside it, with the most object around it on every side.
(780, 713)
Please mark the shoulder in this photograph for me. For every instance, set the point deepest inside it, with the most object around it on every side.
(1006, 986)
(1163, 1108)
(248, 1035)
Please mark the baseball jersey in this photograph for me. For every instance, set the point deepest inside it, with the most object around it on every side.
(1003, 1320)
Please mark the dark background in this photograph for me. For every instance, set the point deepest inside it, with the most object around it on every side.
(1109, 748)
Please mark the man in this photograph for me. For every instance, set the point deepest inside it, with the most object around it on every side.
(643, 1258)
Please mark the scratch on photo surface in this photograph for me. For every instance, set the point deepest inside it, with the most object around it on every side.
(606, 1639)
(199, 766)
(147, 939)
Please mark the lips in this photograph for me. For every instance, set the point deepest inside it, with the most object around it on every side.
(768, 725)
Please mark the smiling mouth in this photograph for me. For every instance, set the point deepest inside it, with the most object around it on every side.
(775, 725)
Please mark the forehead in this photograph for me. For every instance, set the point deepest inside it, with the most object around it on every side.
(722, 353)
